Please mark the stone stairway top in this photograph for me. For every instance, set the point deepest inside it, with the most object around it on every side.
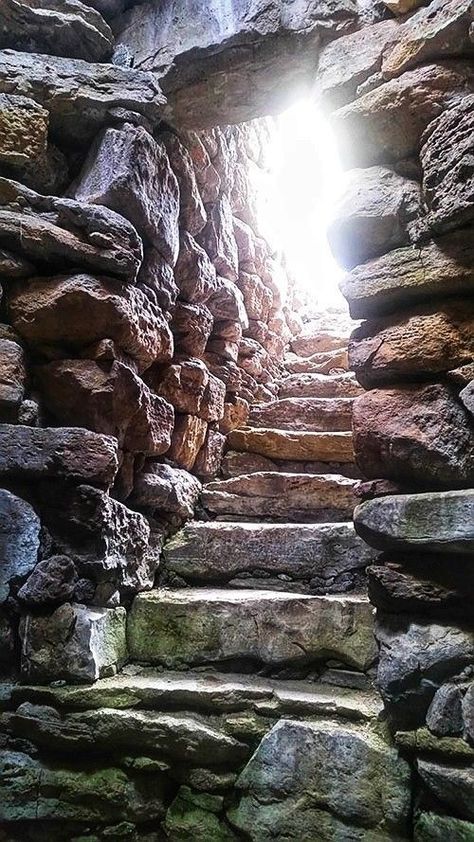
(282, 495)
(194, 626)
(288, 444)
(306, 558)
(303, 413)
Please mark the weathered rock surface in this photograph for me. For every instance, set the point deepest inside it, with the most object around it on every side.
(188, 437)
(167, 489)
(219, 241)
(290, 496)
(324, 558)
(51, 583)
(70, 453)
(379, 211)
(178, 736)
(19, 540)
(129, 172)
(343, 777)
(211, 693)
(433, 827)
(432, 522)
(425, 340)
(261, 626)
(423, 585)
(60, 27)
(108, 542)
(405, 276)
(446, 157)
(416, 657)
(208, 460)
(33, 791)
(23, 128)
(242, 50)
(316, 414)
(67, 233)
(386, 124)
(194, 272)
(192, 326)
(74, 311)
(417, 434)
(319, 386)
(78, 94)
(326, 362)
(108, 398)
(452, 786)
(76, 644)
(234, 464)
(285, 444)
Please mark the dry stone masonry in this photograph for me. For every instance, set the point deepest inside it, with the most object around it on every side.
(200, 639)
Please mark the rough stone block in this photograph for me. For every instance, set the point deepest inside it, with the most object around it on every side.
(23, 129)
(19, 540)
(76, 644)
(167, 489)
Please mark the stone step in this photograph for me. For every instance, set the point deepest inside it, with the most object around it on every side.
(235, 464)
(280, 495)
(206, 693)
(193, 626)
(320, 386)
(314, 340)
(325, 363)
(289, 444)
(321, 558)
(312, 414)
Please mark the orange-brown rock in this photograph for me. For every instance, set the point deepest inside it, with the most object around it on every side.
(236, 413)
(218, 239)
(273, 494)
(209, 458)
(317, 414)
(192, 213)
(194, 272)
(284, 444)
(73, 311)
(324, 363)
(420, 342)
(258, 298)
(416, 434)
(188, 437)
(108, 398)
(212, 404)
(309, 342)
(183, 384)
(192, 326)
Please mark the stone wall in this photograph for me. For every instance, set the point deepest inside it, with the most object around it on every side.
(142, 313)
(401, 99)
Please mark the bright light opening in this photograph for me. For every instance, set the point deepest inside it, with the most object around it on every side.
(306, 181)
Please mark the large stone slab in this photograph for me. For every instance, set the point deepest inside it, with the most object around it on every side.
(417, 656)
(257, 55)
(434, 827)
(75, 311)
(270, 494)
(60, 27)
(423, 341)
(322, 558)
(311, 414)
(285, 444)
(408, 275)
(70, 453)
(76, 644)
(45, 230)
(196, 626)
(210, 693)
(129, 172)
(78, 94)
(33, 791)
(417, 434)
(319, 386)
(13, 376)
(315, 780)
(453, 786)
(378, 211)
(433, 522)
(385, 124)
(183, 737)
(19, 540)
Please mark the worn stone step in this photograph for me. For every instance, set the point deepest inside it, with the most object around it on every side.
(311, 414)
(330, 362)
(320, 386)
(209, 693)
(235, 464)
(320, 558)
(290, 444)
(193, 626)
(279, 495)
